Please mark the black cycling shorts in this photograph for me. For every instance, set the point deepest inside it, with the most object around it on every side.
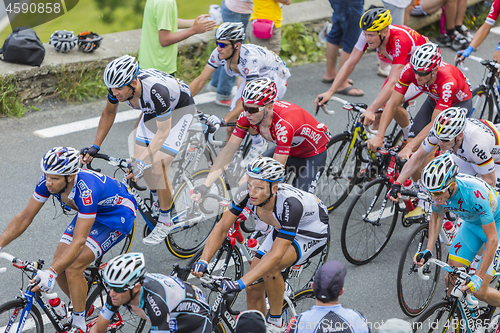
(307, 170)
(424, 115)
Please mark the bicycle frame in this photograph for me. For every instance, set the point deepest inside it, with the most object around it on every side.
(490, 83)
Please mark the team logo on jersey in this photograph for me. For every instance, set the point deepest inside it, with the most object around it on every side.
(85, 193)
(246, 71)
(111, 201)
(212, 59)
(94, 232)
(281, 132)
(457, 247)
(397, 48)
(311, 134)
(153, 305)
(447, 91)
(111, 240)
(479, 152)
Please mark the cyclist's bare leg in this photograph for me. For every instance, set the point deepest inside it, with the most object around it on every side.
(401, 117)
(71, 281)
(496, 56)
(274, 285)
(485, 293)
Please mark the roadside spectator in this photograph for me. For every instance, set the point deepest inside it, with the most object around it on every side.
(457, 35)
(328, 315)
(159, 37)
(250, 321)
(397, 9)
(395, 325)
(345, 32)
(222, 83)
(265, 24)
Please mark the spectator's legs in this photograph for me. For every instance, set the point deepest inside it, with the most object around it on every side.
(462, 8)
(398, 14)
(450, 14)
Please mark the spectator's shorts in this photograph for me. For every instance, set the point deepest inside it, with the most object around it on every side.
(345, 23)
(418, 11)
(273, 43)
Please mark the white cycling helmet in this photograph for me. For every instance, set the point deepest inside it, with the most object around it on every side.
(63, 41)
(232, 31)
(125, 271)
(259, 92)
(266, 168)
(439, 173)
(120, 72)
(450, 123)
(426, 57)
(62, 161)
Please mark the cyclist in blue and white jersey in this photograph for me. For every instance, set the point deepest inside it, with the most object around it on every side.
(168, 303)
(301, 230)
(167, 111)
(474, 144)
(249, 61)
(476, 202)
(106, 214)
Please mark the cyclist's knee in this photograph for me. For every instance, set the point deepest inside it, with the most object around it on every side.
(255, 291)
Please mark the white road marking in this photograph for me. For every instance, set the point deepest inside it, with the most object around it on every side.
(122, 116)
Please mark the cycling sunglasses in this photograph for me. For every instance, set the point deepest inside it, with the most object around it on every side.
(421, 73)
(252, 110)
(440, 193)
(222, 45)
(118, 290)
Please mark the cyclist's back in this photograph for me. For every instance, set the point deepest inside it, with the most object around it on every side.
(170, 304)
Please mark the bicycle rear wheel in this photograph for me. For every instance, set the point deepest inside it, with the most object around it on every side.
(123, 321)
(184, 242)
(368, 223)
(440, 318)
(334, 184)
(482, 104)
(302, 300)
(415, 294)
(10, 314)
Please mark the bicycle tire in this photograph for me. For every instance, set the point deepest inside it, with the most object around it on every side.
(185, 242)
(219, 328)
(482, 104)
(438, 318)
(334, 185)
(362, 241)
(303, 281)
(235, 269)
(302, 301)
(398, 139)
(7, 311)
(415, 294)
(96, 301)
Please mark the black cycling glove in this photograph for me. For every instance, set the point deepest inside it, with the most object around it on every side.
(202, 189)
(395, 189)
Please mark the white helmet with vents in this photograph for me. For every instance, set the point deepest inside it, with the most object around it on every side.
(232, 31)
(266, 168)
(260, 92)
(63, 41)
(450, 123)
(125, 271)
(426, 57)
(62, 161)
(440, 173)
(120, 72)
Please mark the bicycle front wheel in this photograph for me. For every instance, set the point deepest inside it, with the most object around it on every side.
(415, 294)
(368, 223)
(482, 104)
(441, 317)
(10, 316)
(184, 242)
(123, 321)
(301, 301)
(334, 185)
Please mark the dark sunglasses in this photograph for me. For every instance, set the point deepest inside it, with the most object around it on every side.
(118, 290)
(252, 110)
(222, 45)
(421, 73)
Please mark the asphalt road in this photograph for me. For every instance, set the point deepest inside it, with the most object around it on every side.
(370, 289)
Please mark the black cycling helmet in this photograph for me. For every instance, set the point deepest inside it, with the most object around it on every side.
(375, 19)
(88, 41)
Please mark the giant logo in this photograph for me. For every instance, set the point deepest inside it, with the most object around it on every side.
(158, 97)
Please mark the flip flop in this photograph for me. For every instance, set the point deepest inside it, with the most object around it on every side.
(331, 81)
(346, 92)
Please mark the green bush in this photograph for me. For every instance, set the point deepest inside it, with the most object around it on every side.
(11, 104)
(300, 45)
(81, 84)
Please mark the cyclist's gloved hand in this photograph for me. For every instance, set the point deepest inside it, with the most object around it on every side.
(395, 189)
(91, 151)
(137, 168)
(202, 189)
(214, 120)
(232, 286)
(465, 53)
(200, 267)
(426, 255)
(47, 280)
(475, 283)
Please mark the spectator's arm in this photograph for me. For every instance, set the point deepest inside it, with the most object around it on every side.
(285, 2)
(198, 26)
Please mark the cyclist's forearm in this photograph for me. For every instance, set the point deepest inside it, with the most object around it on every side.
(235, 113)
(216, 237)
(383, 96)
(480, 35)
(267, 264)
(221, 162)
(155, 145)
(105, 122)
(343, 74)
(101, 325)
(412, 165)
(434, 227)
(389, 111)
(489, 249)
(14, 229)
(417, 141)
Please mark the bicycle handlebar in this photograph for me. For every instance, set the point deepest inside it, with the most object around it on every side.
(222, 201)
(420, 195)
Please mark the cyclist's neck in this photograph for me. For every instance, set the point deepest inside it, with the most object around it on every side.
(138, 90)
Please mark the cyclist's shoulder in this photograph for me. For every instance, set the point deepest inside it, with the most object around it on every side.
(336, 314)
(472, 188)
(162, 285)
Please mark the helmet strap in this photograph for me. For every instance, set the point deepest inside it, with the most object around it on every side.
(270, 196)
(263, 117)
(381, 39)
(133, 92)
(228, 60)
(65, 186)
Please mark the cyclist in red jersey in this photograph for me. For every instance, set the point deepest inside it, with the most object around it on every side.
(300, 139)
(445, 85)
(482, 33)
(394, 45)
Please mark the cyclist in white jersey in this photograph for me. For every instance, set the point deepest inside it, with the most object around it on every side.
(167, 111)
(301, 230)
(474, 144)
(168, 303)
(476, 202)
(246, 60)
